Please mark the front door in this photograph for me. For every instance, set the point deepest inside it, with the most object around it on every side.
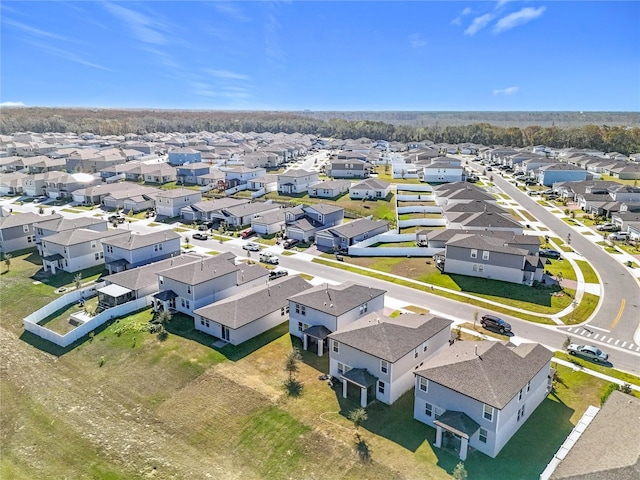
(225, 333)
(172, 303)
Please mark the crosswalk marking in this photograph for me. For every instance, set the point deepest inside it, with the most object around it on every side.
(595, 337)
(617, 342)
(610, 338)
(623, 344)
(631, 346)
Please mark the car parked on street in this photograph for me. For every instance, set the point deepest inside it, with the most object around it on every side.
(549, 253)
(251, 246)
(619, 236)
(491, 322)
(199, 236)
(290, 243)
(277, 273)
(588, 351)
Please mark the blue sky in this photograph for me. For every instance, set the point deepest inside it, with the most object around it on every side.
(329, 55)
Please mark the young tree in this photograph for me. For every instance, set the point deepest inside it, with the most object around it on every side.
(358, 416)
(291, 363)
(475, 317)
(164, 317)
(7, 260)
(460, 473)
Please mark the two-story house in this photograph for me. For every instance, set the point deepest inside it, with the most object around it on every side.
(131, 250)
(324, 309)
(478, 394)
(180, 156)
(247, 314)
(349, 168)
(443, 171)
(241, 175)
(169, 202)
(17, 232)
(53, 224)
(74, 250)
(189, 287)
(480, 255)
(189, 172)
(296, 181)
(345, 235)
(375, 356)
(314, 218)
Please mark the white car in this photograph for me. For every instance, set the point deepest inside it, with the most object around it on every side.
(588, 351)
(619, 236)
(251, 246)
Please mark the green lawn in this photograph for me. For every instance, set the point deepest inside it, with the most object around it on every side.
(583, 311)
(612, 372)
(587, 271)
(560, 266)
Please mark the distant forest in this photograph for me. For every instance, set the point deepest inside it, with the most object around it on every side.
(605, 131)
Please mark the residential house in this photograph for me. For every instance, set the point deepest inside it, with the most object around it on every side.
(375, 356)
(17, 231)
(371, 188)
(249, 313)
(479, 394)
(347, 234)
(132, 249)
(191, 286)
(319, 311)
(89, 160)
(180, 156)
(62, 185)
(583, 457)
(443, 170)
(269, 223)
(133, 197)
(349, 168)
(296, 181)
(53, 224)
(560, 172)
(485, 220)
(34, 185)
(439, 238)
(74, 250)
(243, 214)
(210, 210)
(314, 218)
(241, 175)
(329, 188)
(11, 183)
(266, 183)
(485, 256)
(189, 172)
(168, 203)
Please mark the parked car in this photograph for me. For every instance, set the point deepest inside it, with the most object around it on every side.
(608, 227)
(203, 227)
(290, 243)
(530, 182)
(549, 253)
(277, 273)
(491, 322)
(268, 257)
(247, 234)
(251, 246)
(619, 236)
(116, 218)
(588, 351)
(199, 236)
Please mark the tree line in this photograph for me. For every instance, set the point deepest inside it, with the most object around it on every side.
(607, 138)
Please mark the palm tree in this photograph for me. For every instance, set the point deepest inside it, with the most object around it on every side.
(77, 280)
(358, 416)
(291, 363)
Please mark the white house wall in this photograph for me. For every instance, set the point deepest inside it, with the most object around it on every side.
(492, 272)
(246, 332)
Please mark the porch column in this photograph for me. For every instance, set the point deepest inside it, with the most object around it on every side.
(438, 436)
(344, 388)
(304, 341)
(363, 397)
(464, 446)
(320, 345)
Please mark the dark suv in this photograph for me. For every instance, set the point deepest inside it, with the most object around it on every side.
(491, 322)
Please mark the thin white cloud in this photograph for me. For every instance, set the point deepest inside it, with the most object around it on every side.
(478, 24)
(67, 55)
(525, 15)
(12, 104)
(417, 40)
(502, 3)
(36, 32)
(271, 39)
(458, 19)
(506, 91)
(231, 10)
(227, 74)
(144, 28)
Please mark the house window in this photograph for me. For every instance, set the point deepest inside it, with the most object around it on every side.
(384, 366)
(282, 311)
(481, 268)
(302, 326)
(381, 387)
(485, 255)
(488, 412)
(301, 309)
(335, 346)
(109, 249)
(428, 409)
(320, 218)
(475, 267)
(161, 279)
(342, 368)
(185, 303)
(97, 256)
(415, 352)
(363, 308)
(93, 244)
(520, 395)
(528, 386)
(482, 435)
(189, 289)
(424, 347)
(25, 228)
(423, 384)
(521, 413)
(474, 253)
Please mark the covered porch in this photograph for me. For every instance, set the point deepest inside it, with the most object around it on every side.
(114, 295)
(453, 430)
(117, 266)
(313, 339)
(165, 300)
(359, 383)
(51, 263)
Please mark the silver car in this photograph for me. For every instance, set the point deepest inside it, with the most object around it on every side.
(588, 351)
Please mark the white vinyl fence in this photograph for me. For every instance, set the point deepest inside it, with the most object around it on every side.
(364, 249)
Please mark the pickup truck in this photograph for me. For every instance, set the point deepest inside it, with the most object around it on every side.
(267, 257)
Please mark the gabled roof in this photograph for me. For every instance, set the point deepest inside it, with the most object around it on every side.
(59, 223)
(485, 242)
(323, 208)
(200, 271)
(388, 338)
(336, 299)
(245, 209)
(296, 173)
(489, 372)
(371, 184)
(245, 307)
(26, 218)
(218, 204)
(483, 220)
(133, 241)
(177, 193)
(82, 235)
(358, 227)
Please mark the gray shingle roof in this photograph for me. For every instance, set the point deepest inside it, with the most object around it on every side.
(249, 209)
(390, 339)
(26, 218)
(82, 235)
(357, 227)
(485, 242)
(608, 449)
(323, 208)
(494, 376)
(246, 307)
(336, 299)
(200, 271)
(144, 276)
(371, 184)
(133, 241)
